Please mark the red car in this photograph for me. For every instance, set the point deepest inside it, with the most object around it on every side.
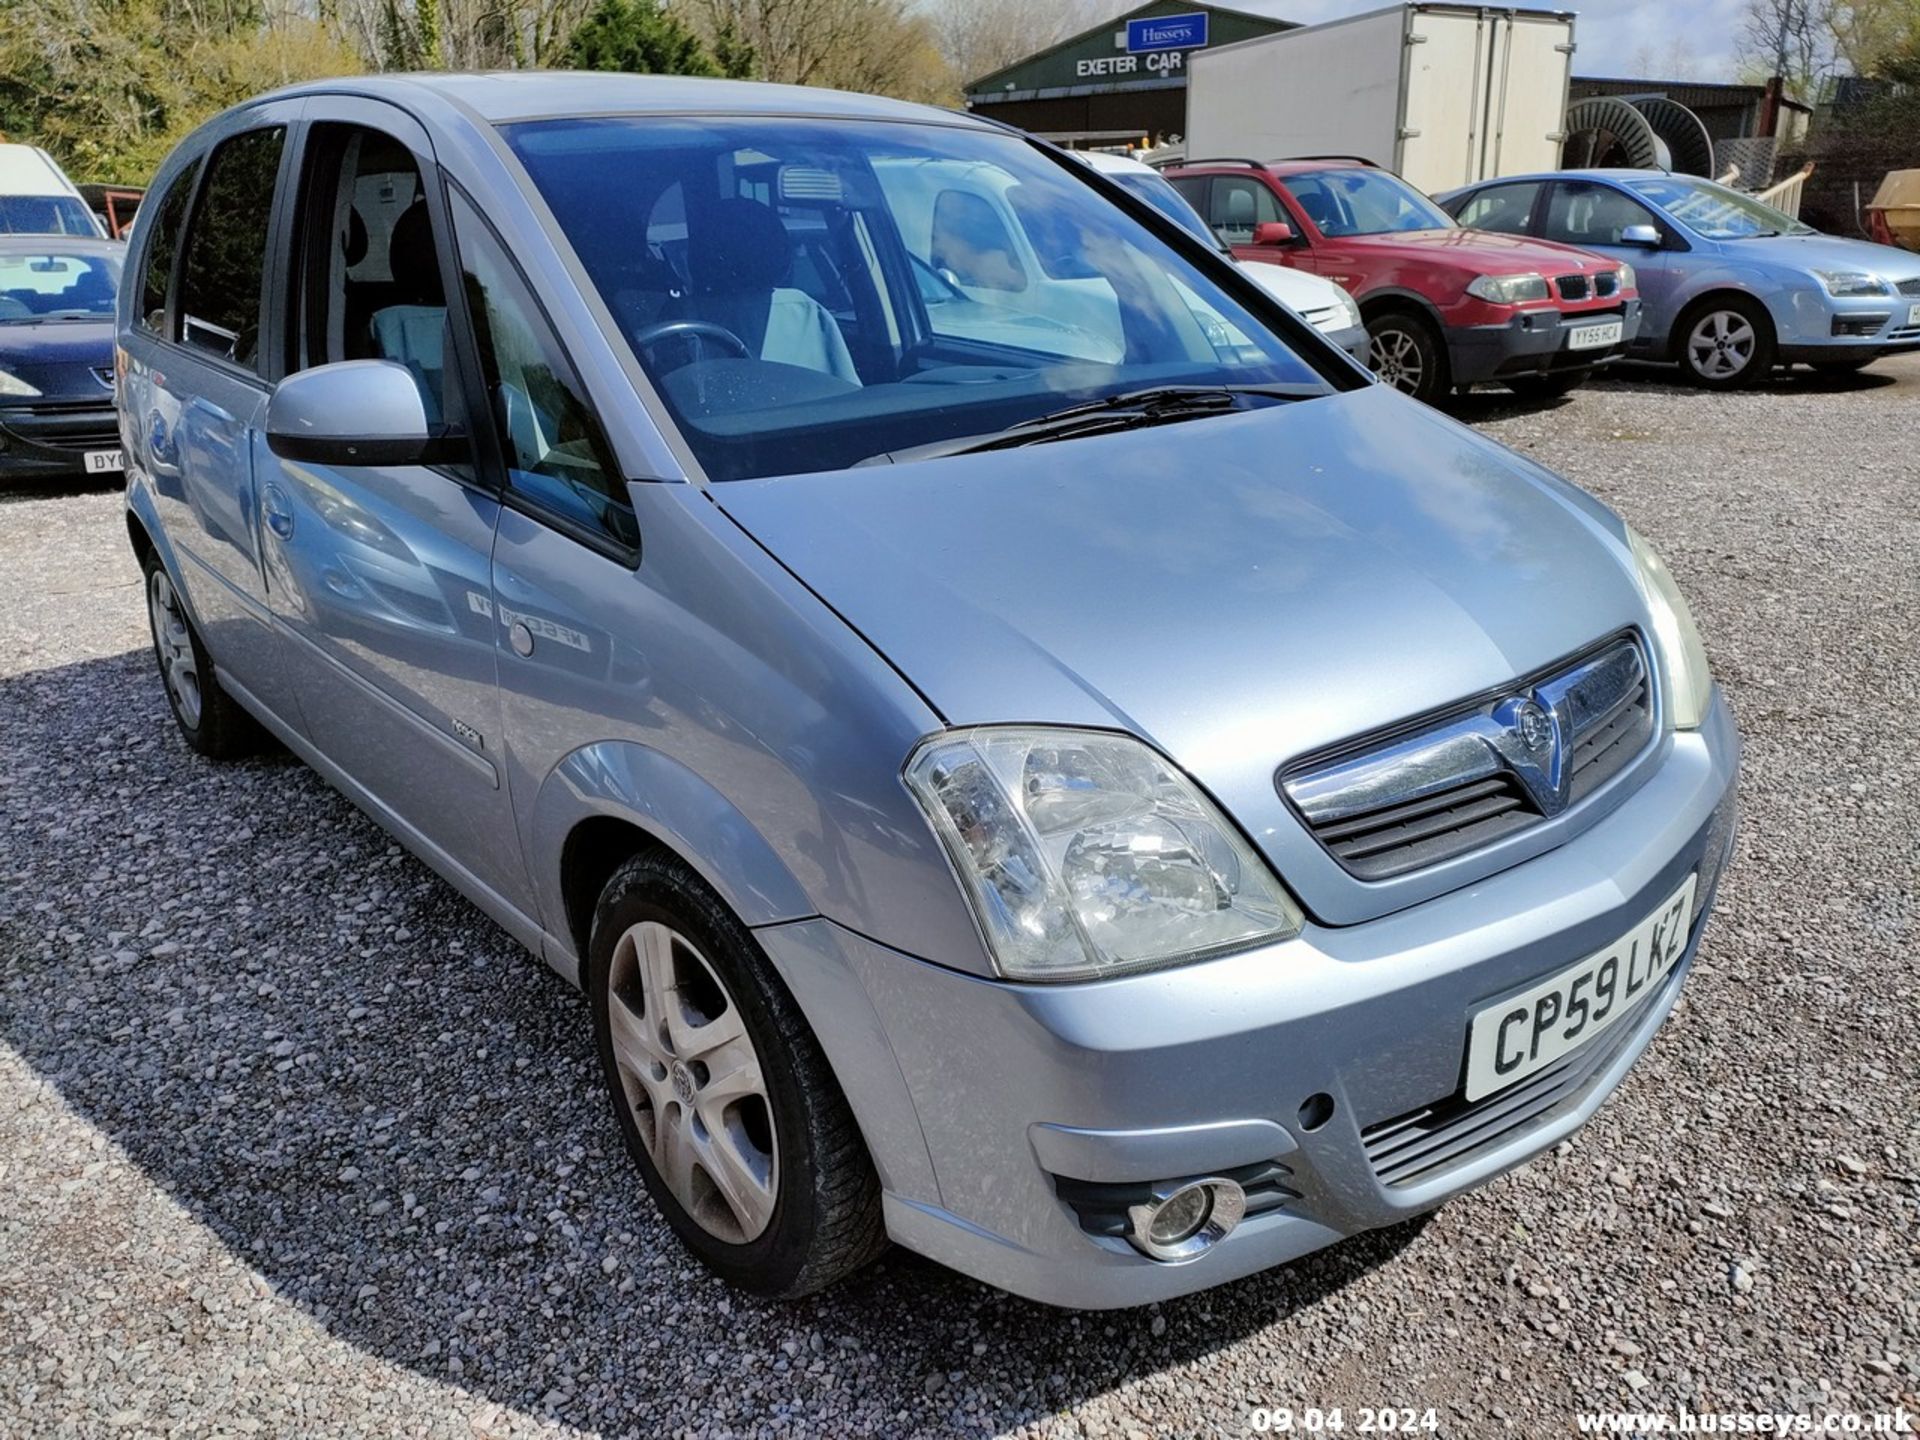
(1445, 307)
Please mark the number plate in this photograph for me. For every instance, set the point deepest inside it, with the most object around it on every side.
(1511, 1039)
(1592, 337)
(103, 462)
(1913, 315)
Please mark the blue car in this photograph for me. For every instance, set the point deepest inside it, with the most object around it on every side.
(1110, 825)
(57, 295)
(1729, 286)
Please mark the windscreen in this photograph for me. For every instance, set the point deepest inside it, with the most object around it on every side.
(1363, 202)
(805, 294)
(45, 215)
(51, 284)
(1715, 211)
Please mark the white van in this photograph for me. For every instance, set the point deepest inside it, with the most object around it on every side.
(36, 198)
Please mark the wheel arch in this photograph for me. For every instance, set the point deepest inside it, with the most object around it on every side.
(608, 801)
(1717, 294)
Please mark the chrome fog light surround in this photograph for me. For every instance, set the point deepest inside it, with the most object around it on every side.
(1185, 1218)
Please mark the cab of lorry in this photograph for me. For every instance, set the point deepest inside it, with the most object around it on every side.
(37, 198)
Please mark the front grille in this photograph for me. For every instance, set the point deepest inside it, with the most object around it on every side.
(1456, 783)
(1910, 287)
(1606, 283)
(1101, 1206)
(63, 427)
(1573, 287)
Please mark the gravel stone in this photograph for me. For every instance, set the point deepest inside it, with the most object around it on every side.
(235, 1019)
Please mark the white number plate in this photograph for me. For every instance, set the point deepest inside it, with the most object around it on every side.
(103, 462)
(1511, 1039)
(1592, 337)
(1913, 315)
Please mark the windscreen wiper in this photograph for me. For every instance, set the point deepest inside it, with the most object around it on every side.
(1160, 405)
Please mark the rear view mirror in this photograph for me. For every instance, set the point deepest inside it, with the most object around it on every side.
(1647, 235)
(354, 412)
(1273, 232)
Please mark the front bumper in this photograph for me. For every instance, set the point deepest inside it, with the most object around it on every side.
(977, 1097)
(50, 439)
(1355, 341)
(1534, 342)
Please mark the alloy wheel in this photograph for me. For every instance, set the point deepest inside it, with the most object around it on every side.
(1396, 359)
(694, 1082)
(1721, 344)
(174, 642)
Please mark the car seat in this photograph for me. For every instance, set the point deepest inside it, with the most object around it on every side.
(414, 330)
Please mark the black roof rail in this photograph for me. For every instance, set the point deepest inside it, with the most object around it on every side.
(1222, 160)
(1357, 159)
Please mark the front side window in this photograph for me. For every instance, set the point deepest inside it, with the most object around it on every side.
(1363, 202)
(157, 273)
(46, 283)
(1158, 192)
(557, 457)
(1503, 208)
(1715, 211)
(806, 294)
(221, 283)
(1239, 204)
(1582, 213)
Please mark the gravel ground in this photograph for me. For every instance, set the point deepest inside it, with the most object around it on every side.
(292, 1140)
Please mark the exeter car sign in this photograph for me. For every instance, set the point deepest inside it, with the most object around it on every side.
(1167, 32)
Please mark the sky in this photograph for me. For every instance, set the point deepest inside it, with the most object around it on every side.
(1642, 39)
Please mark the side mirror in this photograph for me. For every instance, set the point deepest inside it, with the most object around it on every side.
(1643, 235)
(353, 412)
(1273, 232)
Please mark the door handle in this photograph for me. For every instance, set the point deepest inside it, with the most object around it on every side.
(275, 510)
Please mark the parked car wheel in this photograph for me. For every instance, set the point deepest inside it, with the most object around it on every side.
(1406, 352)
(210, 719)
(1546, 387)
(1726, 342)
(727, 1105)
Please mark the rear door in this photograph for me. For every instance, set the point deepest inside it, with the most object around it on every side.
(196, 389)
(379, 573)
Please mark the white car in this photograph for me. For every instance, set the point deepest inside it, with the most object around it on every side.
(37, 198)
(1321, 303)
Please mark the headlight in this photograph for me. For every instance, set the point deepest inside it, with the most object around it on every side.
(11, 384)
(1346, 311)
(1852, 282)
(1628, 280)
(1689, 685)
(1508, 289)
(1085, 854)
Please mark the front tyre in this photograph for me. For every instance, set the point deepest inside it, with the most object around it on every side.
(210, 720)
(727, 1104)
(1726, 342)
(1406, 352)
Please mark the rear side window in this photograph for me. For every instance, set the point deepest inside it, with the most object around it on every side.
(157, 273)
(220, 287)
(1504, 208)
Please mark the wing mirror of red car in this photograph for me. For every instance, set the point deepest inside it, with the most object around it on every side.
(1273, 232)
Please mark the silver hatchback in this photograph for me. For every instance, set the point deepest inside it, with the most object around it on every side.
(1029, 753)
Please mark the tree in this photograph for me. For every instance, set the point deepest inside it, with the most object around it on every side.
(882, 46)
(640, 37)
(1788, 38)
(978, 37)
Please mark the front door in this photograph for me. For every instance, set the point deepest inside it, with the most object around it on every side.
(380, 572)
(1594, 216)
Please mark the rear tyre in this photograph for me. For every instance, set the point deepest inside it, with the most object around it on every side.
(1406, 352)
(1726, 342)
(726, 1103)
(1546, 387)
(210, 719)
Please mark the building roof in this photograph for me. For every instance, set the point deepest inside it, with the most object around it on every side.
(1255, 12)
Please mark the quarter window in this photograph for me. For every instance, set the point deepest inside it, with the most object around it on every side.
(1592, 214)
(157, 276)
(221, 285)
(1503, 208)
(557, 457)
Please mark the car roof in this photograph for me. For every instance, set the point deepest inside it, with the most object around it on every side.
(1589, 173)
(503, 97)
(20, 243)
(1108, 163)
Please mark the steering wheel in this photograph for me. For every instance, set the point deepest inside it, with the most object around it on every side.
(691, 330)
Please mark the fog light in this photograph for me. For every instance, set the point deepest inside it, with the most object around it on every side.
(1185, 1218)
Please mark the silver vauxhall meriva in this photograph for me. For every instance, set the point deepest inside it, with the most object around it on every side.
(1029, 753)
